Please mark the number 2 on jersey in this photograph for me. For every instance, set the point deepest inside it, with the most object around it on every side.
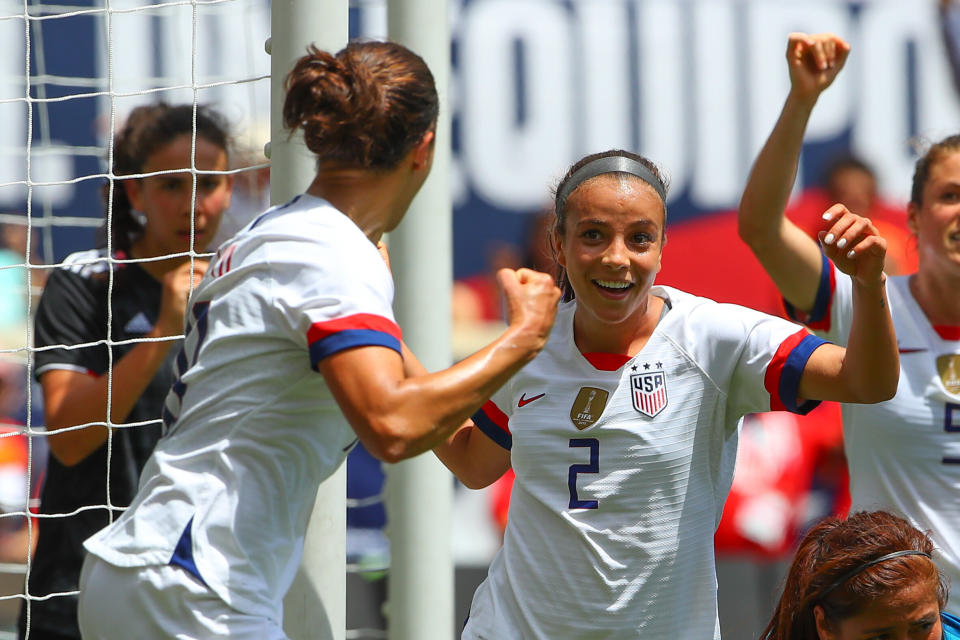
(575, 469)
(951, 424)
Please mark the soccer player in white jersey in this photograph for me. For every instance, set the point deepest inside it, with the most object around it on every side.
(623, 431)
(291, 354)
(903, 454)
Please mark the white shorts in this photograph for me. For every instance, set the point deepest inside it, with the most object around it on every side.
(159, 602)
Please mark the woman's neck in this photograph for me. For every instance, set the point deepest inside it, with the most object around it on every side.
(369, 198)
(592, 335)
(938, 296)
(156, 268)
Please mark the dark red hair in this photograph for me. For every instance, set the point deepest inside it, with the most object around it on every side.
(834, 548)
(363, 108)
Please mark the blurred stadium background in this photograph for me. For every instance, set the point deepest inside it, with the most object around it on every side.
(535, 84)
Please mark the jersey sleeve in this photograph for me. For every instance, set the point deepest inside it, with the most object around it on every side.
(833, 307)
(493, 418)
(334, 297)
(69, 314)
(769, 364)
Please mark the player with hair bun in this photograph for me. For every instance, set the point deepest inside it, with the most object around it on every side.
(292, 353)
(623, 431)
(903, 455)
(152, 220)
(870, 575)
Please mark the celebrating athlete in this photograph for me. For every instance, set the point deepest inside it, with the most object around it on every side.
(291, 354)
(623, 431)
(903, 454)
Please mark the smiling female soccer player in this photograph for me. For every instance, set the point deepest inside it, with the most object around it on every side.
(623, 431)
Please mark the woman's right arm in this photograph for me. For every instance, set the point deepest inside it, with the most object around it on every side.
(72, 398)
(791, 257)
(397, 416)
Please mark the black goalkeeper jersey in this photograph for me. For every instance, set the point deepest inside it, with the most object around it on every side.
(72, 311)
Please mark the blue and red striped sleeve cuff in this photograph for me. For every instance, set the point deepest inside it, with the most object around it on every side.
(819, 318)
(782, 379)
(495, 424)
(359, 330)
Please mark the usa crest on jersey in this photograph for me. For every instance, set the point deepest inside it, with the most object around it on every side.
(649, 392)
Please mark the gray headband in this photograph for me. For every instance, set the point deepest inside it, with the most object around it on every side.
(610, 164)
(850, 574)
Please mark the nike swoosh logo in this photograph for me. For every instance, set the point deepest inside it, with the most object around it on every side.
(911, 350)
(525, 400)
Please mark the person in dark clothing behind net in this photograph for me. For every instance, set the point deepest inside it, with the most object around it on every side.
(138, 291)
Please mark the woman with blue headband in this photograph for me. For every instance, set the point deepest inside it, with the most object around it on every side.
(622, 432)
(869, 576)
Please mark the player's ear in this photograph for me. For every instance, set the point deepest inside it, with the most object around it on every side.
(423, 151)
(133, 187)
(913, 210)
(823, 627)
(558, 246)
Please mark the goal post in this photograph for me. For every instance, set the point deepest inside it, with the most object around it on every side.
(419, 492)
(315, 604)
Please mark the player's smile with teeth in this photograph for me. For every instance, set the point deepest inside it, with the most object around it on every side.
(613, 284)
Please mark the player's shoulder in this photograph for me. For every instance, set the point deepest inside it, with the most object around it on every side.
(691, 309)
(88, 263)
(696, 323)
(80, 275)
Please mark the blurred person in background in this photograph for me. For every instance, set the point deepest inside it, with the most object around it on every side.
(477, 301)
(17, 483)
(152, 221)
(14, 290)
(871, 575)
(292, 355)
(622, 433)
(903, 454)
(852, 182)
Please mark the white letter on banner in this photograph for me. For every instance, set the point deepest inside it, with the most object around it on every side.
(13, 133)
(882, 133)
(605, 66)
(770, 24)
(665, 84)
(513, 165)
(717, 174)
(882, 125)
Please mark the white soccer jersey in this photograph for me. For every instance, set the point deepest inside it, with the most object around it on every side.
(904, 454)
(252, 429)
(622, 467)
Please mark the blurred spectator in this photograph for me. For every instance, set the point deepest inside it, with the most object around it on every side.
(477, 301)
(852, 182)
(14, 289)
(17, 485)
(109, 307)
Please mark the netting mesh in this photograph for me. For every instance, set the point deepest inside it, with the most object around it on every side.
(70, 74)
